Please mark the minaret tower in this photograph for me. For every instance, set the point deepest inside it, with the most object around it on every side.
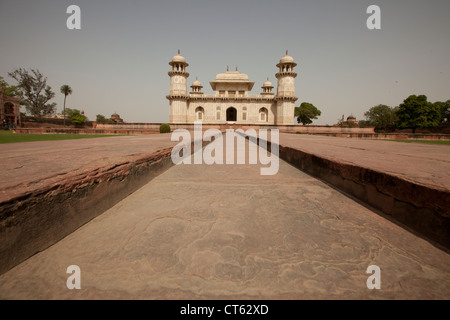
(286, 91)
(178, 89)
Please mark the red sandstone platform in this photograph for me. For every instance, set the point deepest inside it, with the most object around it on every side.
(408, 183)
(49, 189)
(30, 166)
(226, 232)
(421, 163)
(27, 166)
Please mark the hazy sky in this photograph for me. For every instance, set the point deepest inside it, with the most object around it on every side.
(118, 61)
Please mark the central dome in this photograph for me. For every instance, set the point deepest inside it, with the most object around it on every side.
(232, 79)
(232, 76)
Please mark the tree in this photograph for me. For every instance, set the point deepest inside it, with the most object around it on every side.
(416, 112)
(70, 112)
(34, 92)
(65, 90)
(445, 111)
(76, 117)
(306, 113)
(364, 124)
(9, 91)
(164, 128)
(382, 117)
(100, 118)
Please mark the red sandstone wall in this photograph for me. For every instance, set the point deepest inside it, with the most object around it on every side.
(285, 128)
(153, 128)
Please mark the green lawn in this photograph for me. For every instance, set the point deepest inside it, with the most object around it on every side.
(10, 137)
(445, 142)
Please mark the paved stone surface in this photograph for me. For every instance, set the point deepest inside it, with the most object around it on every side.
(51, 189)
(33, 165)
(27, 166)
(225, 232)
(408, 182)
(421, 163)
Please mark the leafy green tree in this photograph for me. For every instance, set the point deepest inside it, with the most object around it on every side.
(34, 92)
(306, 113)
(164, 128)
(364, 123)
(100, 119)
(68, 112)
(382, 117)
(75, 116)
(416, 112)
(78, 119)
(9, 91)
(445, 111)
(65, 90)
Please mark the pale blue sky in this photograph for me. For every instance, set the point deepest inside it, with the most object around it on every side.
(118, 61)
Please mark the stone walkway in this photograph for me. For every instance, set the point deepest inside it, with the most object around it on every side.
(226, 232)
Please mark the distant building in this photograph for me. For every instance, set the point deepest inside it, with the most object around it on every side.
(116, 118)
(231, 102)
(351, 119)
(9, 110)
(54, 116)
(59, 116)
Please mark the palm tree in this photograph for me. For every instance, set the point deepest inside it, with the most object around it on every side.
(65, 90)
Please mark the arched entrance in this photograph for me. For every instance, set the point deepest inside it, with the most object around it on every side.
(9, 114)
(231, 114)
(9, 108)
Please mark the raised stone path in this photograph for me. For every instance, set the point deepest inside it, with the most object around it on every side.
(421, 163)
(226, 232)
(29, 166)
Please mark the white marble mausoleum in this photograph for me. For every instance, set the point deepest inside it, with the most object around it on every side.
(232, 101)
